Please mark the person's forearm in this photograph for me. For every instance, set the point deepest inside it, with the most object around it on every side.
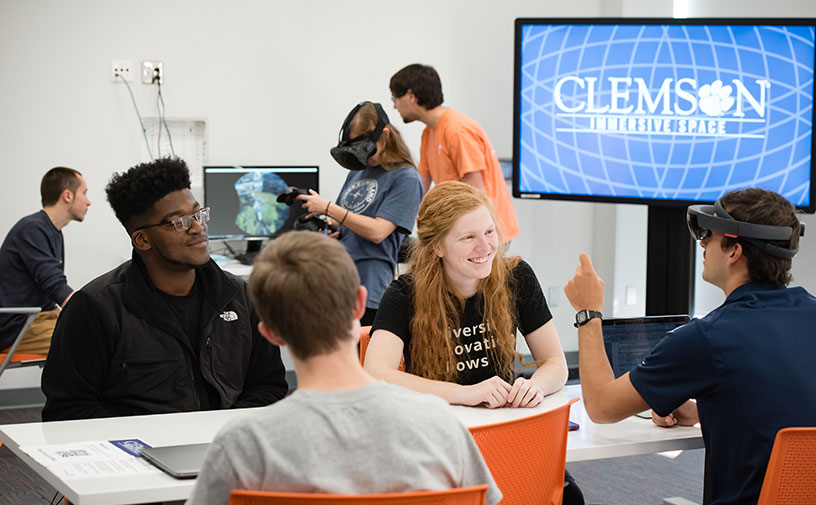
(426, 182)
(70, 409)
(474, 179)
(551, 375)
(594, 369)
(374, 229)
(449, 391)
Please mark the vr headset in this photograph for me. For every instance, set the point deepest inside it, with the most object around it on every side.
(353, 154)
(701, 219)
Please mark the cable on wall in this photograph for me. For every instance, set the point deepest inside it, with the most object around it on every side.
(141, 124)
(162, 119)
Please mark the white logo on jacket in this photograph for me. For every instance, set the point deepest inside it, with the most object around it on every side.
(229, 316)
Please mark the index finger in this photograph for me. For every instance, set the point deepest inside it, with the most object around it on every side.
(514, 390)
(586, 263)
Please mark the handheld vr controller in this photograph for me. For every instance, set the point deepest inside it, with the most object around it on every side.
(303, 222)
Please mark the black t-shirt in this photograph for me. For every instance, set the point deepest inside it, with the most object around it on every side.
(187, 310)
(473, 336)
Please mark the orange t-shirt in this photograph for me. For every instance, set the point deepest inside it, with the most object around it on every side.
(457, 145)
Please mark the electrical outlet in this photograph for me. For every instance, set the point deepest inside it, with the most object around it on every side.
(152, 72)
(123, 68)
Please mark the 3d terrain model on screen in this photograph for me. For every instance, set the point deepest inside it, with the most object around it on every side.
(260, 214)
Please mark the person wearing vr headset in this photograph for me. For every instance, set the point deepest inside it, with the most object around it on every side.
(454, 147)
(377, 205)
(744, 371)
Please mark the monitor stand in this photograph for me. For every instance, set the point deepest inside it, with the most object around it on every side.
(253, 247)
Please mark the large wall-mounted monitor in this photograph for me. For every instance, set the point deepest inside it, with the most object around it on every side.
(663, 111)
(242, 199)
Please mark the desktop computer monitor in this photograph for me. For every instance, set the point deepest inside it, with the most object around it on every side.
(242, 199)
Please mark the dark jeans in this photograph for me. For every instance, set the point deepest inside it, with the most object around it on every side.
(572, 493)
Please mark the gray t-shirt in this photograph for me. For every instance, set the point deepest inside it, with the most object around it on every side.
(376, 439)
(393, 196)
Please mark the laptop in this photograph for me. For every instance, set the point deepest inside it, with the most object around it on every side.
(180, 461)
(629, 340)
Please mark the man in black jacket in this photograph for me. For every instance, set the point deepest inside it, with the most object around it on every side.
(168, 331)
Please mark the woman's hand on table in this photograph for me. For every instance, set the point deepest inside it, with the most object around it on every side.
(524, 393)
(492, 393)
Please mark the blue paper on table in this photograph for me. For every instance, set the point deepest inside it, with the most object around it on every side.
(132, 446)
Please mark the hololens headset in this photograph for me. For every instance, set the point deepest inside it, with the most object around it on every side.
(353, 154)
(701, 219)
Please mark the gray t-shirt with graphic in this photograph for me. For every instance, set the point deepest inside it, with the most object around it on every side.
(393, 196)
(376, 439)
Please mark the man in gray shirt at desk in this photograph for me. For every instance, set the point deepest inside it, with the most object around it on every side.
(167, 331)
(342, 431)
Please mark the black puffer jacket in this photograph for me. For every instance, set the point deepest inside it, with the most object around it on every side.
(117, 350)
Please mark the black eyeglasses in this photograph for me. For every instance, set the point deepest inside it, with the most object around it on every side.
(184, 223)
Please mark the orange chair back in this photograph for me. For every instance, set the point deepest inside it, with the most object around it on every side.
(365, 338)
(527, 456)
(791, 475)
(475, 495)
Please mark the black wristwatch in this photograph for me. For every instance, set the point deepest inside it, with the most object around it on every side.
(582, 317)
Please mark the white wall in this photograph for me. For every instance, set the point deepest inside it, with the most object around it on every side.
(274, 80)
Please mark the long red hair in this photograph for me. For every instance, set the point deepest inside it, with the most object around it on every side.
(438, 304)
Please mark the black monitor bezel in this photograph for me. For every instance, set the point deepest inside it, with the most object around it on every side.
(657, 202)
(248, 167)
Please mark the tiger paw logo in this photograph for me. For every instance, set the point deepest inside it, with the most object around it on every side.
(715, 99)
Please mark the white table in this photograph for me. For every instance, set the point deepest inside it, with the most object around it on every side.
(629, 437)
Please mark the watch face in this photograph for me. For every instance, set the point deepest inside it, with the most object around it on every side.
(582, 317)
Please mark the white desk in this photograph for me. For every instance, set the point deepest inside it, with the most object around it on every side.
(629, 437)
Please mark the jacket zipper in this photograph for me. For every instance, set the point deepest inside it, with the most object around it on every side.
(208, 345)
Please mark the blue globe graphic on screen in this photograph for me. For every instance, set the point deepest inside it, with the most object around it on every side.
(667, 112)
(260, 214)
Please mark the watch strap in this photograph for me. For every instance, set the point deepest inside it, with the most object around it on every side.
(582, 317)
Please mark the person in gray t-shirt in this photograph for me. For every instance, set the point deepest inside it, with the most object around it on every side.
(342, 431)
(377, 205)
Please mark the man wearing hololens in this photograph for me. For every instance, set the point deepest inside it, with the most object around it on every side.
(378, 203)
(748, 363)
(167, 331)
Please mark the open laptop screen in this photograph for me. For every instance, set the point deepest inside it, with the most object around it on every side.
(629, 340)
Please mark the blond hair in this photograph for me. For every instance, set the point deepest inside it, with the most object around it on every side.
(304, 287)
(438, 304)
(395, 153)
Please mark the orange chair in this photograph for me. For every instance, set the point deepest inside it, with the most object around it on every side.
(10, 359)
(475, 495)
(791, 475)
(365, 338)
(527, 456)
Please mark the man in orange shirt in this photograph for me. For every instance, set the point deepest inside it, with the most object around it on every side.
(454, 147)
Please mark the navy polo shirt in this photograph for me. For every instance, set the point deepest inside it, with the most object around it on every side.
(750, 366)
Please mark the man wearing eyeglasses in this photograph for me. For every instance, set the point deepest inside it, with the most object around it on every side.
(747, 364)
(454, 147)
(167, 331)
